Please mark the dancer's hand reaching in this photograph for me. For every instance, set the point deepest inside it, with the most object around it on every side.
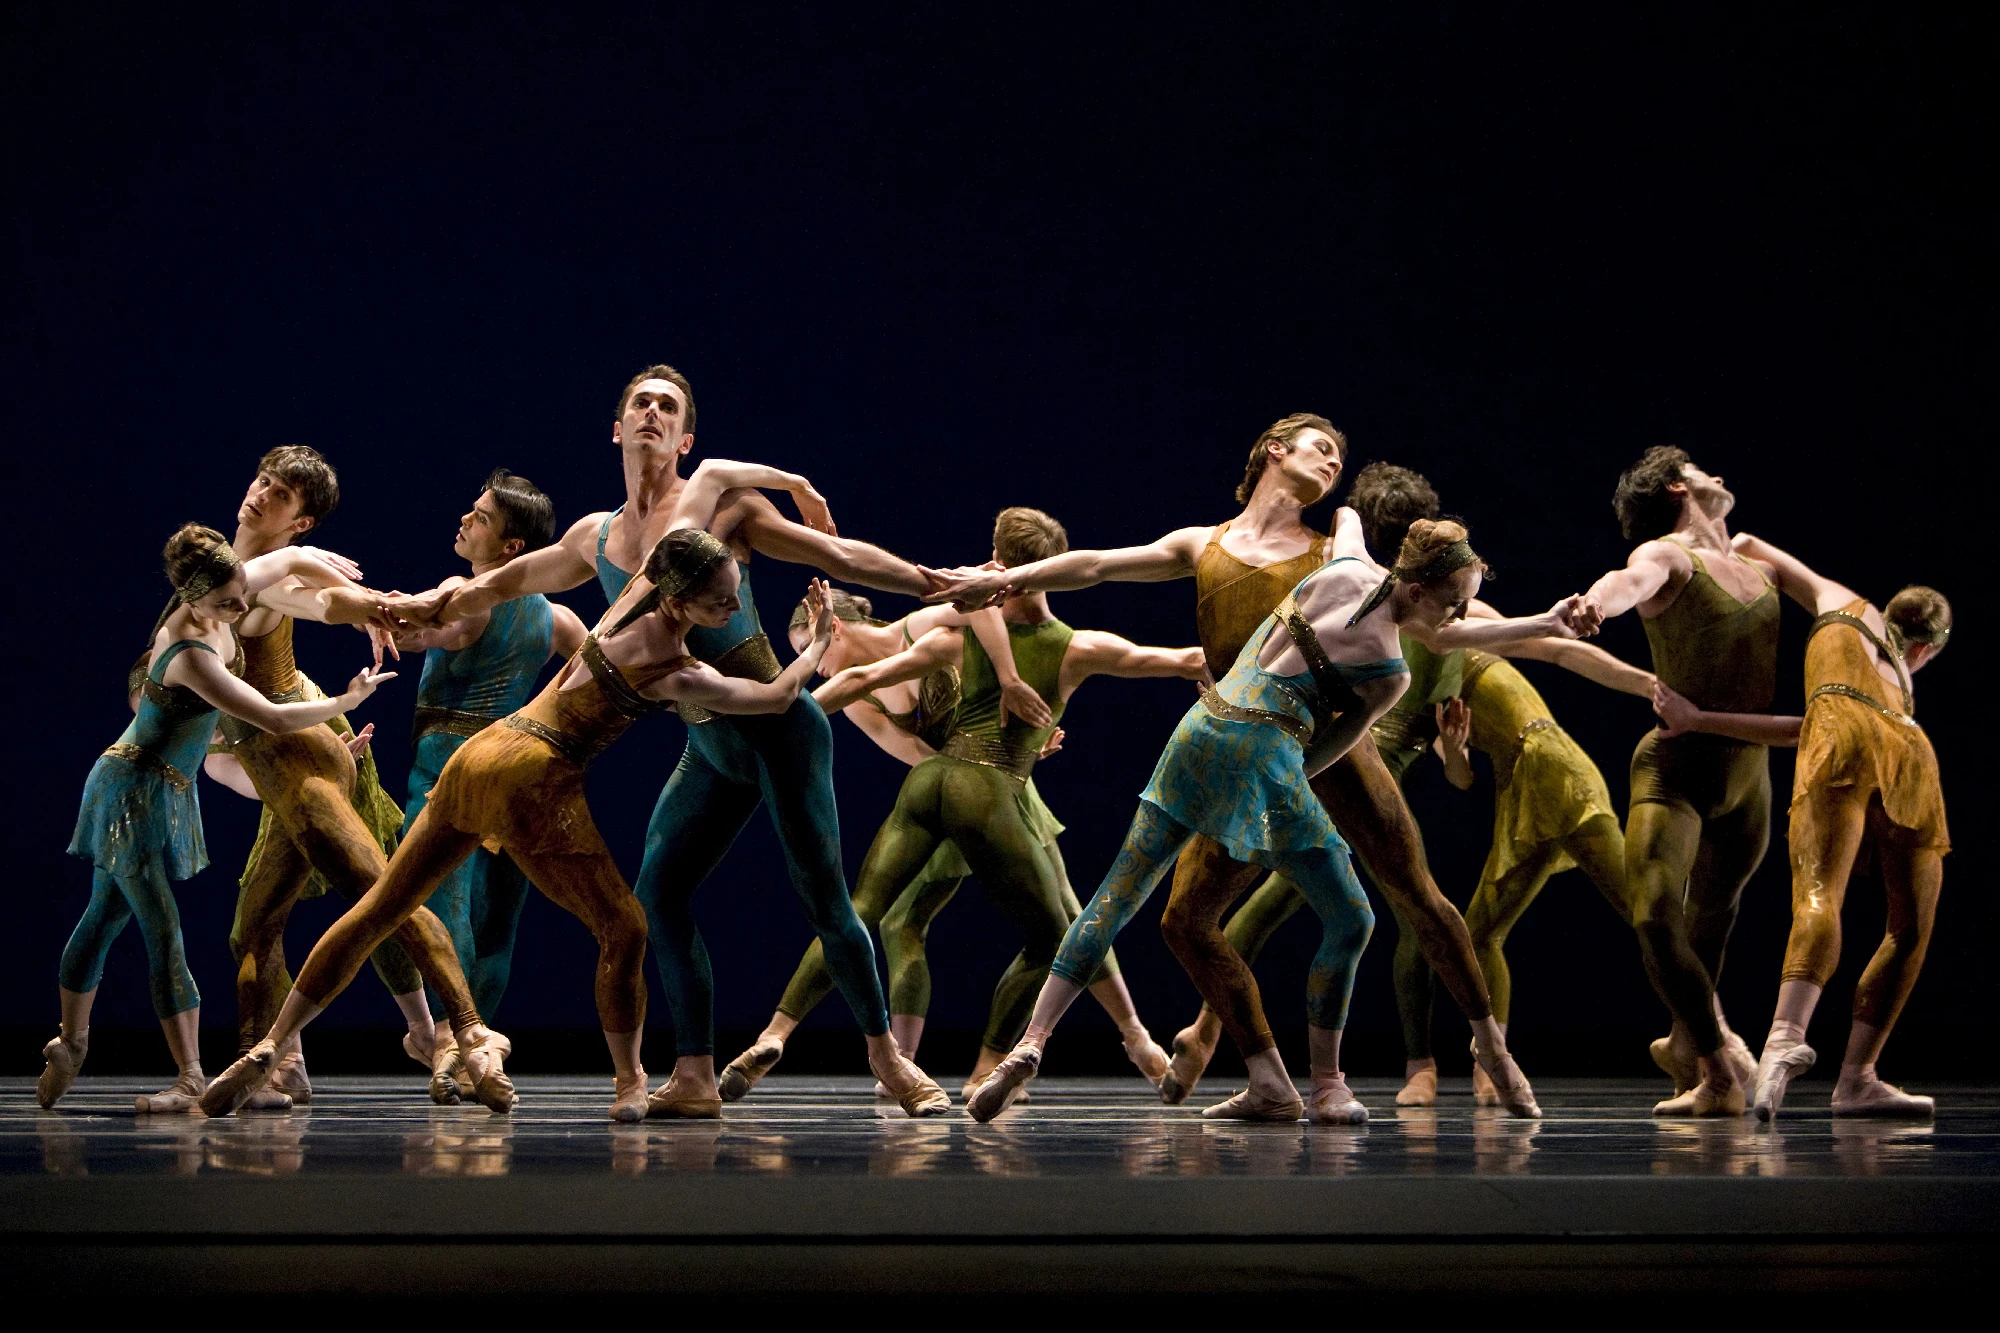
(1019, 698)
(364, 684)
(819, 612)
(813, 511)
(1052, 744)
(1677, 713)
(1569, 618)
(357, 744)
(965, 589)
(1454, 721)
(339, 563)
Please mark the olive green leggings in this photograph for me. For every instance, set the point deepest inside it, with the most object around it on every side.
(978, 808)
(1597, 847)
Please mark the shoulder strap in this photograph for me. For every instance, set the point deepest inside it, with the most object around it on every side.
(1334, 693)
(173, 650)
(611, 680)
(604, 529)
(1892, 658)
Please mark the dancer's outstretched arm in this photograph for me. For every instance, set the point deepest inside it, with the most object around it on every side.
(1171, 557)
(940, 647)
(1794, 578)
(1553, 623)
(205, 674)
(1094, 652)
(751, 519)
(569, 563)
(716, 478)
(702, 684)
(1679, 715)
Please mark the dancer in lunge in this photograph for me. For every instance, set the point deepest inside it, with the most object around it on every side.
(1302, 693)
(325, 815)
(477, 671)
(1865, 770)
(1701, 805)
(1242, 569)
(974, 794)
(1389, 499)
(731, 765)
(140, 823)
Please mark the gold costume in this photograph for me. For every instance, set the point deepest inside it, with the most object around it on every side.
(1551, 813)
(307, 781)
(520, 784)
(1864, 768)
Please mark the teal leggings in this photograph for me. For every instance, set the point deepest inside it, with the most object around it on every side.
(1325, 875)
(783, 761)
(480, 902)
(115, 901)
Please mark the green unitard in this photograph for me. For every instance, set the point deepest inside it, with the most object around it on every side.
(969, 809)
(1402, 735)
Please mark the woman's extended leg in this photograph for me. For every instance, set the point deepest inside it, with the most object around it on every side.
(1912, 878)
(1151, 844)
(175, 999)
(1269, 906)
(1109, 989)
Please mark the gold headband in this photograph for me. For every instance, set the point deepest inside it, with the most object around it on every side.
(221, 567)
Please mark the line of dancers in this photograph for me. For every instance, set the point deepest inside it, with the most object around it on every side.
(1325, 677)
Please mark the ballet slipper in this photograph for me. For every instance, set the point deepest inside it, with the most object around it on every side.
(1251, 1104)
(449, 1083)
(227, 1092)
(1735, 1053)
(629, 1102)
(1189, 1063)
(485, 1063)
(1003, 1086)
(1782, 1062)
(882, 1093)
(1334, 1103)
(1420, 1089)
(1703, 1100)
(1510, 1085)
(1676, 1063)
(665, 1105)
(744, 1072)
(972, 1086)
(181, 1098)
(65, 1062)
(289, 1077)
(267, 1099)
(1483, 1091)
(1146, 1056)
(923, 1097)
(1872, 1097)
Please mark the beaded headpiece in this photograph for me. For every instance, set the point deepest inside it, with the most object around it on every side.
(1444, 562)
(221, 567)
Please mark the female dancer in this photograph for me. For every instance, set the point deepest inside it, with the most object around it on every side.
(1389, 499)
(977, 794)
(520, 784)
(1864, 768)
(1237, 771)
(140, 825)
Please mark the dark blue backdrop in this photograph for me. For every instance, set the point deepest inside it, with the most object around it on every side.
(946, 264)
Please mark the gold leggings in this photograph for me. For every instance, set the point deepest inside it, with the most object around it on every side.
(306, 778)
(1828, 824)
(1598, 848)
(585, 884)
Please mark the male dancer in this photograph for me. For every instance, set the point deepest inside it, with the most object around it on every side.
(731, 764)
(1242, 569)
(477, 671)
(308, 783)
(1701, 805)
(973, 792)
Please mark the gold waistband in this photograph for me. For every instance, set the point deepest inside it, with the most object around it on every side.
(993, 754)
(1229, 712)
(451, 721)
(1849, 692)
(1534, 725)
(752, 659)
(148, 762)
(573, 748)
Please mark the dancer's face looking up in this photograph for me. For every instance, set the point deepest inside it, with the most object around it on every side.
(1309, 467)
(652, 419)
(270, 508)
(715, 602)
(1705, 490)
(481, 530)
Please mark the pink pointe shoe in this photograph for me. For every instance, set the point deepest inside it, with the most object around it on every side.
(1184, 1070)
(485, 1064)
(1251, 1104)
(1003, 1086)
(229, 1090)
(746, 1070)
(1873, 1097)
(1511, 1085)
(65, 1062)
(1782, 1062)
(1333, 1103)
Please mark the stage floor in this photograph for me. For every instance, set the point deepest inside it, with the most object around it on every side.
(1092, 1188)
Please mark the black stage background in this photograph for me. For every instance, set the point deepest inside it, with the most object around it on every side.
(945, 264)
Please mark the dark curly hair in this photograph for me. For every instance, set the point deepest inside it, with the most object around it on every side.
(1286, 430)
(301, 467)
(1646, 509)
(1389, 499)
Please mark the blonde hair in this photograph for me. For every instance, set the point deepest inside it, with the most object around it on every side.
(1427, 537)
(1022, 535)
(1286, 430)
(845, 606)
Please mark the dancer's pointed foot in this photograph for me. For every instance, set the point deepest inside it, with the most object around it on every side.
(1483, 1091)
(227, 1092)
(65, 1062)
(289, 1077)
(1510, 1085)
(1782, 1062)
(972, 1086)
(1189, 1063)
(1333, 1103)
(1421, 1089)
(181, 1098)
(449, 1084)
(1704, 1099)
(267, 1099)
(1251, 1104)
(1002, 1087)
(1735, 1053)
(629, 1102)
(1147, 1057)
(485, 1061)
(1677, 1062)
(743, 1073)
(1871, 1096)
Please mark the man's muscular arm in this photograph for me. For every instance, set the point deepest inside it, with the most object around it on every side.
(940, 647)
(1794, 578)
(1097, 653)
(1171, 557)
(710, 487)
(1652, 566)
(555, 568)
(566, 635)
(754, 520)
